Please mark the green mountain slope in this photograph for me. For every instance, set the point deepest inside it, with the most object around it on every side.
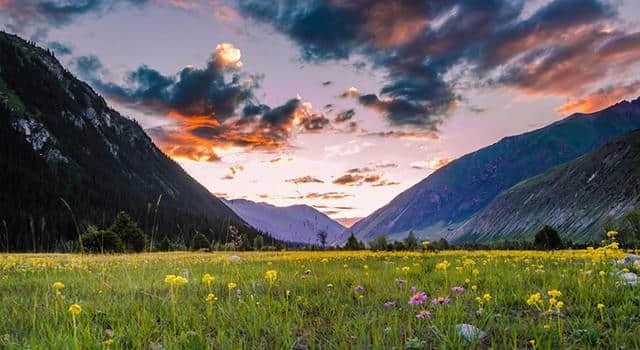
(59, 139)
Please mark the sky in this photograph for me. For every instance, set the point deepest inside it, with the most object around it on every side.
(338, 104)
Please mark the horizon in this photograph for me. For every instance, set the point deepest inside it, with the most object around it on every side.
(331, 120)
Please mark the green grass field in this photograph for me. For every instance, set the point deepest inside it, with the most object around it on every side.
(317, 300)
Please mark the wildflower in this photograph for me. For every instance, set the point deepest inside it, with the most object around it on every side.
(389, 304)
(400, 281)
(600, 306)
(271, 276)
(208, 279)
(75, 309)
(412, 290)
(440, 300)
(602, 274)
(58, 286)
(474, 288)
(169, 278)
(231, 285)
(423, 314)
(211, 298)
(534, 299)
(425, 244)
(612, 234)
(467, 281)
(559, 305)
(405, 269)
(418, 298)
(444, 265)
(553, 301)
(366, 267)
(547, 326)
(487, 297)
(287, 293)
(329, 285)
(457, 289)
(554, 293)
(359, 289)
(475, 272)
(325, 260)
(178, 281)
(532, 342)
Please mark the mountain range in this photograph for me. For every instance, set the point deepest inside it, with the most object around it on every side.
(69, 160)
(437, 206)
(577, 198)
(296, 223)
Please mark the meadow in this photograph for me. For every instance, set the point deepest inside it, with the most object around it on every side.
(310, 300)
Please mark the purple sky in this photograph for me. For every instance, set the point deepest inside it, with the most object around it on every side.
(434, 80)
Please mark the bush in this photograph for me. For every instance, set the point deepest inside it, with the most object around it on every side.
(379, 243)
(411, 242)
(101, 241)
(547, 239)
(165, 245)
(353, 243)
(200, 241)
(131, 235)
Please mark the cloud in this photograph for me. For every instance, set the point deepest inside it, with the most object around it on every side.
(344, 116)
(359, 170)
(348, 180)
(600, 99)
(432, 50)
(327, 83)
(418, 136)
(59, 48)
(434, 164)
(45, 14)
(324, 195)
(382, 165)
(304, 180)
(350, 92)
(211, 108)
(385, 183)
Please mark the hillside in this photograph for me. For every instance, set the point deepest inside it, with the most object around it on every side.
(575, 197)
(445, 199)
(60, 140)
(296, 223)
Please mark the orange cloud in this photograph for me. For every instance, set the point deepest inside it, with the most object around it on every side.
(600, 99)
(394, 23)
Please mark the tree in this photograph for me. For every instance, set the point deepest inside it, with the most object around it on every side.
(411, 242)
(200, 241)
(322, 238)
(353, 243)
(131, 235)
(101, 241)
(258, 242)
(547, 239)
(379, 243)
(632, 220)
(165, 245)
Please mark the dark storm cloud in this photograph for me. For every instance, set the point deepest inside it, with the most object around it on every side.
(427, 47)
(344, 116)
(212, 107)
(54, 13)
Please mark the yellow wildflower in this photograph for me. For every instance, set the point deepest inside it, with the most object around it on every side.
(58, 285)
(208, 279)
(75, 309)
(231, 285)
(211, 298)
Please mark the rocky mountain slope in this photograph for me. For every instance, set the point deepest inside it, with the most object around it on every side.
(296, 223)
(60, 140)
(575, 197)
(445, 199)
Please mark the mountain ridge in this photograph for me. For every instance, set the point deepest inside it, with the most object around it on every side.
(60, 140)
(298, 223)
(449, 196)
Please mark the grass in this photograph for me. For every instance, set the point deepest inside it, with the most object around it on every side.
(312, 302)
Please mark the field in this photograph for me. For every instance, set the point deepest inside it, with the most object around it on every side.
(299, 300)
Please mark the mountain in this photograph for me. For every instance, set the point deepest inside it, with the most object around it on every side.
(441, 202)
(60, 140)
(575, 197)
(296, 223)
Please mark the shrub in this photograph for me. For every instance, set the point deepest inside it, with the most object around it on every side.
(101, 241)
(411, 242)
(200, 241)
(131, 235)
(547, 239)
(379, 243)
(165, 245)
